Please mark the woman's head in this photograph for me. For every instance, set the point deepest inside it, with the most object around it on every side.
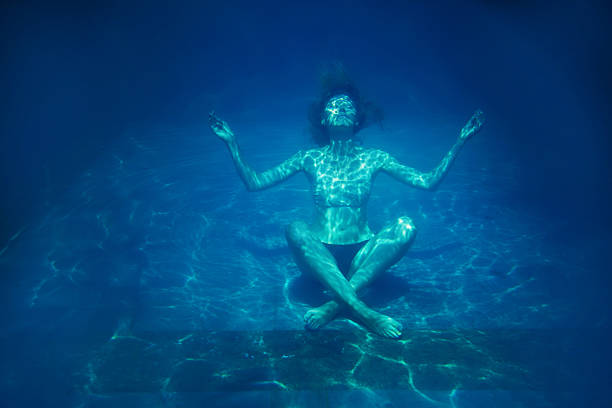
(340, 104)
(339, 111)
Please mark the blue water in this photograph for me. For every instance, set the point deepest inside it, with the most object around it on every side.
(138, 271)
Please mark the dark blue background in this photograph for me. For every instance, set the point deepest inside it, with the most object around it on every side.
(76, 76)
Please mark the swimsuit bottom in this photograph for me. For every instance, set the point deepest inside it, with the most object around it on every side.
(344, 254)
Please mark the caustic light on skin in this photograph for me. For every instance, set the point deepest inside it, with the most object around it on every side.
(339, 109)
(405, 224)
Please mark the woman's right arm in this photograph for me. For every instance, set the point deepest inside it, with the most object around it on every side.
(254, 181)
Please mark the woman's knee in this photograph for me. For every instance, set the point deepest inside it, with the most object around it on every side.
(405, 229)
(296, 231)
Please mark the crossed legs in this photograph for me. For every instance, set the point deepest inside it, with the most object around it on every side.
(382, 251)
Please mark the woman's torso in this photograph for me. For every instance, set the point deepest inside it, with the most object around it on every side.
(341, 187)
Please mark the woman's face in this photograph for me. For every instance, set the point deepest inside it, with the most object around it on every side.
(339, 111)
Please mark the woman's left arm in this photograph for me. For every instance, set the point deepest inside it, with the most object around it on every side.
(429, 180)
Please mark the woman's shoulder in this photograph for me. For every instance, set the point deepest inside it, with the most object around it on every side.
(309, 157)
(313, 152)
(373, 154)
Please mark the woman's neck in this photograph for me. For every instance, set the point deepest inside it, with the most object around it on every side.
(341, 141)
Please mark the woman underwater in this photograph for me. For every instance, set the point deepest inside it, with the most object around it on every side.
(341, 173)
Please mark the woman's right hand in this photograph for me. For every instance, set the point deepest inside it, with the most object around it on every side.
(220, 128)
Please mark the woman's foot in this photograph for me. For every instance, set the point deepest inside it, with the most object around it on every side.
(320, 316)
(380, 324)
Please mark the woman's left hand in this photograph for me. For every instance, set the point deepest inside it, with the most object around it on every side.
(473, 125)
